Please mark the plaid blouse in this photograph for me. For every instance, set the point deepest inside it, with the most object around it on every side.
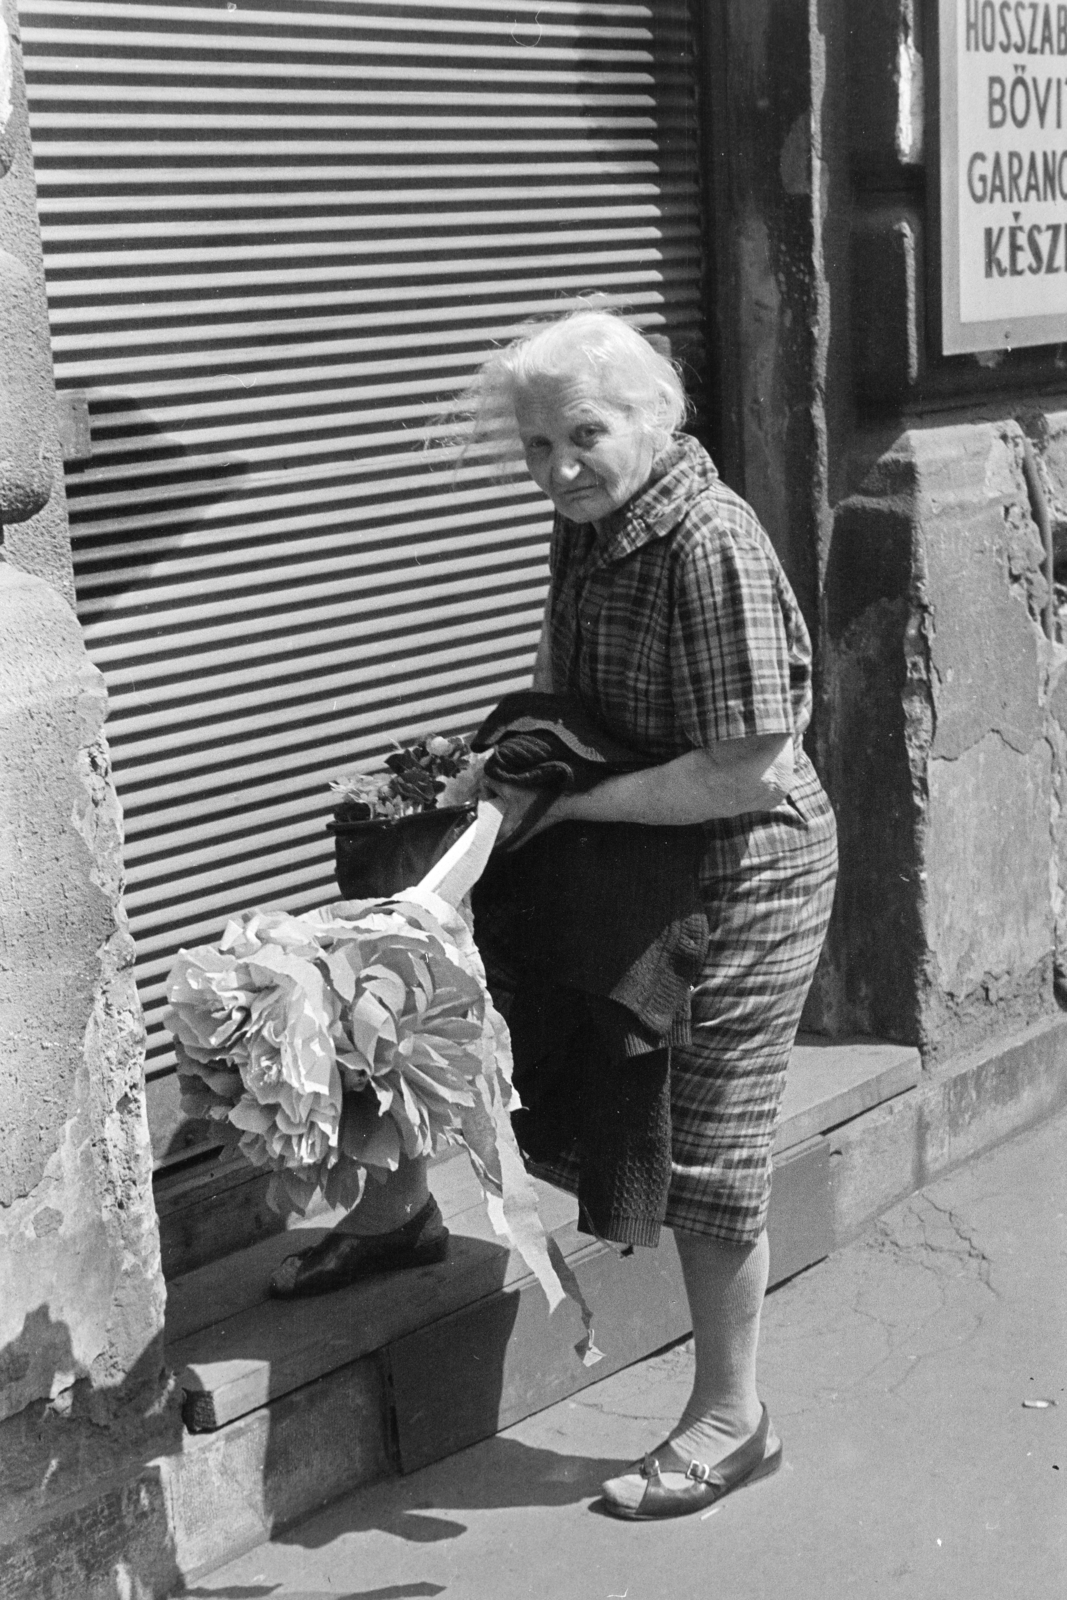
(677, 627)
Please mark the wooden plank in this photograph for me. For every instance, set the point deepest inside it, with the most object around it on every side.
(466, 1376)
(224, 1288)
(801, 1221)
(830, 1081)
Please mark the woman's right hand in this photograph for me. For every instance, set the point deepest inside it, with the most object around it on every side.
(515, 803)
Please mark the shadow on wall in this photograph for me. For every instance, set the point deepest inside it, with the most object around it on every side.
(162, 499)
(83, 1506)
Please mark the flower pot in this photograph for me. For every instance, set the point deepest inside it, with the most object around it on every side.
(386, 854)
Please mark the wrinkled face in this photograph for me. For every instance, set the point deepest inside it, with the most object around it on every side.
(587, 455)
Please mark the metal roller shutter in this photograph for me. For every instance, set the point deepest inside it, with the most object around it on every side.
(276, 241)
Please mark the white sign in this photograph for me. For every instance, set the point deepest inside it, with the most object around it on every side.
(1003, 83)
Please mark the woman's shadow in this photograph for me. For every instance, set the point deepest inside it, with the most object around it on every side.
(495, 1475)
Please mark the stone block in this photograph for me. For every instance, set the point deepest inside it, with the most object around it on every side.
(115, 1543)
(957, 1112)
(887, 310)
(230, 1490)
(979, 753)
(939, 766)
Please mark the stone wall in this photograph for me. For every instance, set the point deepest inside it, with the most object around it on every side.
(890, 479)
(938, 732)
(81, 1307)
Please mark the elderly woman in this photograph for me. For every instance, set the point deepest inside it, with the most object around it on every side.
(671, 624)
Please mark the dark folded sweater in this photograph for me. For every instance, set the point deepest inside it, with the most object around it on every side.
(593, 935)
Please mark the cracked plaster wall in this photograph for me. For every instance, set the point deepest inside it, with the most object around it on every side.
(82, 1302)
(947, 761)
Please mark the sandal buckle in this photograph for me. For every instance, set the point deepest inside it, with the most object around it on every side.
(699, 1471)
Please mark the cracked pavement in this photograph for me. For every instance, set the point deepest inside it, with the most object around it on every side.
(896, 1372)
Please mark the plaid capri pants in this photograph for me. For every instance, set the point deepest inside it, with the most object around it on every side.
(768, 886)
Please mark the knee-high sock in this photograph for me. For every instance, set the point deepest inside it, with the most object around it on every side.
(725, 1284)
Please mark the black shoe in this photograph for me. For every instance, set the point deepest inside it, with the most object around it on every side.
(344, 1258)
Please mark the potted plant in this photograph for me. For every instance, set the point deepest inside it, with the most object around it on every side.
(390, 827)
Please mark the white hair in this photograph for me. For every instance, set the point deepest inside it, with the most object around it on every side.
(633, 377)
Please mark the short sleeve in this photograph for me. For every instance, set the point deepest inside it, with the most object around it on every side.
(729, 647)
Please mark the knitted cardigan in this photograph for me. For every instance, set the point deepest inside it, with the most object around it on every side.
(593, 935)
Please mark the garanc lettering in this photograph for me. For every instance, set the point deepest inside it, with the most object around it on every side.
(1017, 177)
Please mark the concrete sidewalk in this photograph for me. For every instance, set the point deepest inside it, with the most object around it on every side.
(896, 1372)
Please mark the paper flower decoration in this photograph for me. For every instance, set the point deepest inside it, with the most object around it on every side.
(327, 1043)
